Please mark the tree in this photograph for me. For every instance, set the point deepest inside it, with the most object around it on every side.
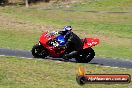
(26, 3)
(2, 2)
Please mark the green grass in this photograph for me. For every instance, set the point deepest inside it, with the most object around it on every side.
(90, 5)
(103, 5)
(20, 28)
(17, 39)
(31, 73)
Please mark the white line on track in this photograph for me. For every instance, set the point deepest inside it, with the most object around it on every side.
(114, 67)
(61, 61)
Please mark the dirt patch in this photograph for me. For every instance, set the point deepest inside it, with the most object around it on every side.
(17, 24)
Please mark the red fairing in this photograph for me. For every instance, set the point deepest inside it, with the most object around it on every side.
(89, 42)
(54, 51)
(43, 39)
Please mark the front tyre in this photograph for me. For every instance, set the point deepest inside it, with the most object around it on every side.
(85, 56)
(38, 51)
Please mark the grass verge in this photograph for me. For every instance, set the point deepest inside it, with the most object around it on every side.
(100, 5)
(32, 73)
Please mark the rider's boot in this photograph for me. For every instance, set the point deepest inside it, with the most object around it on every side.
(70, 55)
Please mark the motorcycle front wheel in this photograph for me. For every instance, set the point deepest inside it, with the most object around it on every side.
(38, 51)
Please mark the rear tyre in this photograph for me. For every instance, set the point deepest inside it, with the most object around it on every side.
(38, 51)
(85, 56)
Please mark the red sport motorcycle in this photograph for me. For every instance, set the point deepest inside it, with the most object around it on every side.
(48, 43)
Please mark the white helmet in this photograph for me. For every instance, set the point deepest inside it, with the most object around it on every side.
(67, 28)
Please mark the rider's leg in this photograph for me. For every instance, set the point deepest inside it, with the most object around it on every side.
(70, 55)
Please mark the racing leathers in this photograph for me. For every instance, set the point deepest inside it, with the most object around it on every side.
(73, 44)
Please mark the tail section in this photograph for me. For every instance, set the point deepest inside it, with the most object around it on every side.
(89, 42)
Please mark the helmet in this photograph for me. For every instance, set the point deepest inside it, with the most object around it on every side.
(67, 28)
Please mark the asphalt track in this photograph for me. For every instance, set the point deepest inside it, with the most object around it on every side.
(97, 61)
(87, 11)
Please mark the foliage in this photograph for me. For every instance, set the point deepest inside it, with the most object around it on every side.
(34, 1)
(3, 2)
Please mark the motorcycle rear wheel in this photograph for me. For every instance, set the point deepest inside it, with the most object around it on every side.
(38, 51)
(85, 56)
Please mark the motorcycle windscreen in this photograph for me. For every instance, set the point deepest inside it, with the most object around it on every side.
(61, 40)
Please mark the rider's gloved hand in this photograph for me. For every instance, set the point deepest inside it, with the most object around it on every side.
(55, 32)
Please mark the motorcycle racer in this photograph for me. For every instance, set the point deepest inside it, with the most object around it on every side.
(73, 43)
(65, 44)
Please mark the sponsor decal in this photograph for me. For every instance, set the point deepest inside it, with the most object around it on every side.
(83, 78)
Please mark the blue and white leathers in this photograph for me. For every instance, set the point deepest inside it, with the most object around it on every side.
(61, 40)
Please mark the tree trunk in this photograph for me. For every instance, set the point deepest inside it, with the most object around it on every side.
(26, 3)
